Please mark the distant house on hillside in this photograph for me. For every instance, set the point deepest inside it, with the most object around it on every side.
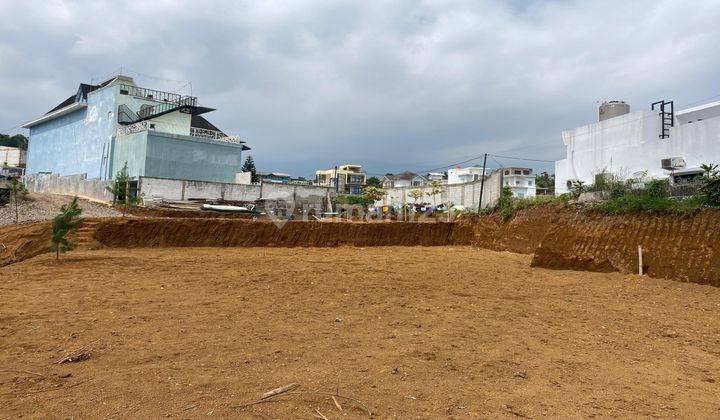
(275, 177)
(101, 127)
(435, 176)
(520, 180)
(462, 175)
(348, 179)
(404, 179)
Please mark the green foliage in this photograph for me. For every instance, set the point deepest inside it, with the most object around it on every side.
(436, 188)
(67, 220)
(652, 199)
(121, 188)
(373, 181)
(708, 194)
(249, 166)
(415, 195)
(657, 188)
(577, 187)
(546, 181)
(508, 205)
(18, 140)
(373, 194)
(647, 204)
(353, 200)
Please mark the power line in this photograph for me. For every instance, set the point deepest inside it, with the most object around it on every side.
(526, 159)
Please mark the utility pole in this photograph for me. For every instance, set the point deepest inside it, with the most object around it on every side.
(482, 183)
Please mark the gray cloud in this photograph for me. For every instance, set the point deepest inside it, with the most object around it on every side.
(392, 85)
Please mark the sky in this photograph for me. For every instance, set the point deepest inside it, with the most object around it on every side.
(391, 85)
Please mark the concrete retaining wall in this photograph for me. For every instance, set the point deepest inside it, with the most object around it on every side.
(177, 189)
(75, 185)
(466, 194)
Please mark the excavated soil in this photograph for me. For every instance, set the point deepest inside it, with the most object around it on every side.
(428, 332)
(683, 248)
(675, 247)
(20, 242)
(134, 233)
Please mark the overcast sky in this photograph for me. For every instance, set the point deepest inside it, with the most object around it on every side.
(390, 85)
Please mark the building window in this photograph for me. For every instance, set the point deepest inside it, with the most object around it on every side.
(124, 91)
(517, 172)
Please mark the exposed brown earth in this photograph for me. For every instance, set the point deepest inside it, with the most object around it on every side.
(683, 248)
(409, 331)
(133, 233)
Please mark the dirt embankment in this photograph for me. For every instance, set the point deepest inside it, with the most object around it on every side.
(675, 247)
(20, 242)
(683, 248)
(134, 233)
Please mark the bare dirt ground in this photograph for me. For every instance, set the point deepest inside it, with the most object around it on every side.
(409, 331)
(46, 206)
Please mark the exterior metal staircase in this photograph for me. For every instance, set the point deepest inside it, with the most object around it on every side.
(667, 116)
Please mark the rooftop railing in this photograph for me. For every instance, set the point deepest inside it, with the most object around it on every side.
(194, 132)
(154, 95)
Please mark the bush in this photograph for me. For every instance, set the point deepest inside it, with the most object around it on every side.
(354, 200)
(709, 191)
(657, 188)
(508, 205)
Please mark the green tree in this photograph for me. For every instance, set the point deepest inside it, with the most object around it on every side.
(67, 220)
(120, 189)
(546, 181)
(249, 166)
(709, 191)
(18, 193)
(435, 189)
(415, 195)
(18, 140)
(373, 194)
(373, 182)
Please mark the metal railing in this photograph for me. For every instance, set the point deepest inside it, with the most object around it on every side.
(152, 94)
(214, 135)
(135, 128)
(194, 132)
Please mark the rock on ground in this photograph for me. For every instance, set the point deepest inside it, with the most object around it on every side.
(46, 206)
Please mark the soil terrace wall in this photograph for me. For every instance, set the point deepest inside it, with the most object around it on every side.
(682, 248)
(133, 233)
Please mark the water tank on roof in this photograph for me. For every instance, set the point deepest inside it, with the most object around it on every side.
(610, 109)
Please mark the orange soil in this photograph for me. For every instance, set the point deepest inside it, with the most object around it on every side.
(410, 331)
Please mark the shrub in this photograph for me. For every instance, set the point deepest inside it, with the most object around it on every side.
(709, 191)
(657, 188)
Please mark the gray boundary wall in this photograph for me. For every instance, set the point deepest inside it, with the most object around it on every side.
(75, 185)
(178, 189)
(465, 194)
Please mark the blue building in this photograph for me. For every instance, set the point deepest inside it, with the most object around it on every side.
(159, 134)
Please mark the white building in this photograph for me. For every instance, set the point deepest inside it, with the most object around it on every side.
(462, 175)
(404, 179)
(435, 176)
(520, 180)
(649, 143)
(12, 156)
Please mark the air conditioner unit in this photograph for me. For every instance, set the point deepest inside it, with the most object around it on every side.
(670, 164)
